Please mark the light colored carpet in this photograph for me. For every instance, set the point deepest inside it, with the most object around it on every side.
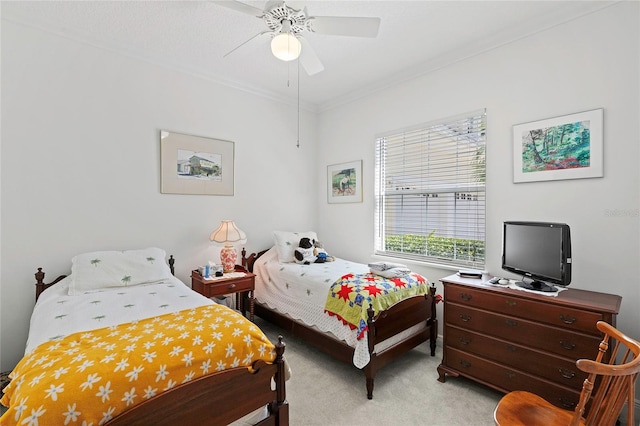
(326, 392)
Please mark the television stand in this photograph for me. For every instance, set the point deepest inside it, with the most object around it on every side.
(510, 339)
(536, 285)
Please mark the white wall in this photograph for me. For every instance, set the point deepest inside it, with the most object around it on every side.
(81, 164)
(80, 156)
(589, 63)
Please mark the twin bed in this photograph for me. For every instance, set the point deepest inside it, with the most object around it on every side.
(294, 297)
(121, 341)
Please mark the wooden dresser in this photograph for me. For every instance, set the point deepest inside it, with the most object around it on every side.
(510, 339)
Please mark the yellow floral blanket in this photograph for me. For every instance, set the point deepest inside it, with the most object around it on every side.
(88, 378)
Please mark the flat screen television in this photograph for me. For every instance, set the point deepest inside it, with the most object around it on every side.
(540, 252)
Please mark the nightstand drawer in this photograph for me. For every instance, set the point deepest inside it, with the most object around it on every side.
(238, 283)
(213, 288)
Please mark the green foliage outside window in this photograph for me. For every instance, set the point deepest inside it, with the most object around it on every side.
(437, 247)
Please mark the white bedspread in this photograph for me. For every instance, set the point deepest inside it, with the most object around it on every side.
(57, 314)
(301, 292)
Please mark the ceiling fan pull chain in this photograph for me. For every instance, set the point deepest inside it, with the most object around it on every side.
(298, 143)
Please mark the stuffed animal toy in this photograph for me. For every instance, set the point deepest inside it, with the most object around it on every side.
(321, 253)
(304, 252)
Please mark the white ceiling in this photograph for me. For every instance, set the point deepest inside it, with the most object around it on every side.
(193, 36)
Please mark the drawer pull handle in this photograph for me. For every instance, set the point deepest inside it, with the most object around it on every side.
(511, 303)
(231, 286)
(465, 318)
(511, 323)
(567, 345)
(466, 297)
(465, 341)
(567, 374)
(510, 374)
(566, 404)
(465, 364)
(511, 348)
(567, 319)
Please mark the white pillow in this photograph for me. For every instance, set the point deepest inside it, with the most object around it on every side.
(104, 269)
(286, 243)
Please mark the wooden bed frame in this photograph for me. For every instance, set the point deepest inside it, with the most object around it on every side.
(215, 399)
(388, 323)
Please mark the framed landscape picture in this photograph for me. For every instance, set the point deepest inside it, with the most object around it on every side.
(567, 147)
(195, 164)
(344, 182)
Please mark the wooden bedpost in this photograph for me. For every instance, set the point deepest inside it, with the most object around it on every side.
(433, 320)
(280, 379)
(247, 262)
(280, 407)
(40, 285)
(369, 371)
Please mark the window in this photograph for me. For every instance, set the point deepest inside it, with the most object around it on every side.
(430, 192)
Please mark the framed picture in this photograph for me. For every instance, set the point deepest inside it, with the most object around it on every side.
(344, 182)
(567, 147)
(195, 164)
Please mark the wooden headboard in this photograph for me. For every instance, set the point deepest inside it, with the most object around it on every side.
(247, 262)
(42, 286)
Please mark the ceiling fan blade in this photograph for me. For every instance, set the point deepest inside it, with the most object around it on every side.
(253, 41)
(308, 58)
(240, 7)
(345, 25)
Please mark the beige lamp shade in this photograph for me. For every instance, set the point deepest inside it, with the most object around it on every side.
(228, 234)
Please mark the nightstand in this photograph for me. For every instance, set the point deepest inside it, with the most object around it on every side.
(227, 284)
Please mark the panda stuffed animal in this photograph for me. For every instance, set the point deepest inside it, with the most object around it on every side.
(304, 252)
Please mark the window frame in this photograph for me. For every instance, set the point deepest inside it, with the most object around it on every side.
(465, 135)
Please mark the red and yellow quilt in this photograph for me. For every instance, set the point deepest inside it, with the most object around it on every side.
(90, 377)
(352, 295)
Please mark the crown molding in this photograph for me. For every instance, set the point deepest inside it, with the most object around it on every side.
(160, 62)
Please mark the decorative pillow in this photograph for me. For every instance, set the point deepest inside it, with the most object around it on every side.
(104, 269)
(286, 243)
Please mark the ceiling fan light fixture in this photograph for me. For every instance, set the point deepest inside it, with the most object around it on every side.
(285, 46)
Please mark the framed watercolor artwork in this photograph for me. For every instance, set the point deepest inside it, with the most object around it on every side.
(344, 182)
(195, 164)
(566, 147)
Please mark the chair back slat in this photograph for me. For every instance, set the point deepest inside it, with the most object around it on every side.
(615, 380)
(613, 401)
(609, 386)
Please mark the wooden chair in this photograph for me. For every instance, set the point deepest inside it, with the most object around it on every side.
(616, 386)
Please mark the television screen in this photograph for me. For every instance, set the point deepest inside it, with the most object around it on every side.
(540, 251)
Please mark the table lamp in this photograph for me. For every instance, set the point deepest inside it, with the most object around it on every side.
(228, 234)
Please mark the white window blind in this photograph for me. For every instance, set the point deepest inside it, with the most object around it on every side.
(430, 192)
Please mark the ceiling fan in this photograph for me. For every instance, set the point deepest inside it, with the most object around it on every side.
(287, 25)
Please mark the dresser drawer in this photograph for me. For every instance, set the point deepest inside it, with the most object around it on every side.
(545, 338)
(556, 315)
(554, 368)
(507, 379)
(213, 288)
